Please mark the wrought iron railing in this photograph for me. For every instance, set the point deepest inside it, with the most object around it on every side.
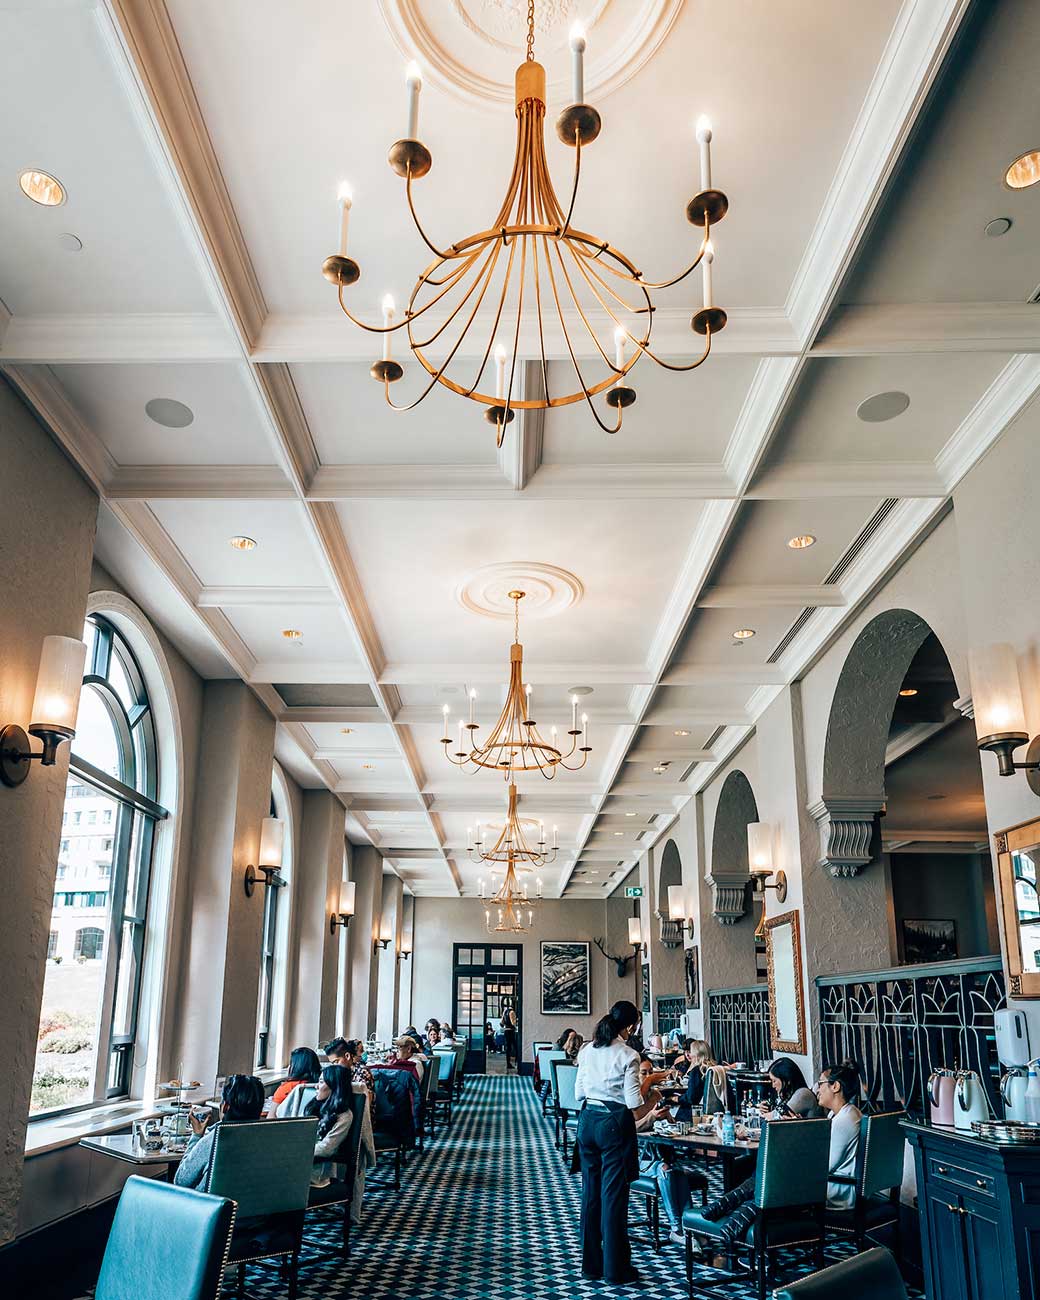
(738, 1023)
(898, 1025)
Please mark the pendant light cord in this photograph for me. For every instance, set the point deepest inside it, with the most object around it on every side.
(530, 31)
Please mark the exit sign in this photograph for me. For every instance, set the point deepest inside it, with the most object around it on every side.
(633, 891)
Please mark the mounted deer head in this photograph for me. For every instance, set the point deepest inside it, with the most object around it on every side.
(620, 963)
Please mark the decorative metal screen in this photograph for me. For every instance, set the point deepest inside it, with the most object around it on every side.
(738, 1023)
(900, 1024)
(669, 1014)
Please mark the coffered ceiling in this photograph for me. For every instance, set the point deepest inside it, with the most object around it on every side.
(863, 149)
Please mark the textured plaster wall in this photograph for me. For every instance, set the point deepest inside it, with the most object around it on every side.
(388, 967)
(366, 870)
(318, 872)
(47, 527)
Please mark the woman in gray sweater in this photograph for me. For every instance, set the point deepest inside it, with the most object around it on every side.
(241, 1102)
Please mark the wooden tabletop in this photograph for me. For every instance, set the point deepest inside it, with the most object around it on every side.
(707, 1140)
(121, 1146)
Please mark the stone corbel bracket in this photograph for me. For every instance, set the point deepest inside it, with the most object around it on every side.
(671, 934)
(728, 898)
(846, 830)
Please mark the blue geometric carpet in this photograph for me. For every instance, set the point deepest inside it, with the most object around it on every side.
(488, 1210)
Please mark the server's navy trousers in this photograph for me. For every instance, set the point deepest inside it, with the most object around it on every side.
(607, 1150)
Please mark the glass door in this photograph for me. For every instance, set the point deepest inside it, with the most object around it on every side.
(487, 981)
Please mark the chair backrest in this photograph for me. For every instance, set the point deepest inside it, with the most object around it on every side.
(716, 1090)
(564, 1075)
(446, 1063)
(879, 1160)
(167, 1237)
(265, 1167)
(873, 1275)
(793, 1161)
(430, 1075)
(545, 1056)
(346, 1154)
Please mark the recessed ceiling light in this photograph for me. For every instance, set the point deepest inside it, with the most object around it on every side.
(580, 690)
(619, 832)
(168, 412)
(369, 767)
(680, 731)
(743, 634)
(882, 407)
(801, 542)
(242, 543)
(292, 633)
(42, 188)
(997, 227)
(1023, 172)
(907, 691)
(934, 797)
(346, 731)
(630, 814)
(70, 243)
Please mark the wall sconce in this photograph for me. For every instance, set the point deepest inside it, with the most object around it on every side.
(272, 838)
(384, 941)
(680, 911)
(760, 864)
(347, 890)
(635, 935)
(55, 705)
(1000, 719)
(403, 954)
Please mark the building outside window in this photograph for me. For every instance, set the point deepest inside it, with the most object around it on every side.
(96, 944)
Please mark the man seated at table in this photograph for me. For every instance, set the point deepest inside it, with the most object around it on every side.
(242, 1102)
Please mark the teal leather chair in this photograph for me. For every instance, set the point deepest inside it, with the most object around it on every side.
(565, 1105)
(339, 1194)
(443, 1097)
(873, 1275)
(790, 1194)
(266, 1169)
(546, 1055)
(877, 1179)
(537, 1045)
(166, 1243)
(431, 1080)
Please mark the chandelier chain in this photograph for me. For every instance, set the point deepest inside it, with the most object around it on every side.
(530, 31)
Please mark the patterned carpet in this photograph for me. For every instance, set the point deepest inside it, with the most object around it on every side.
(487, 1211)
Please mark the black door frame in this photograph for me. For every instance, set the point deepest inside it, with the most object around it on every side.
(480, 965)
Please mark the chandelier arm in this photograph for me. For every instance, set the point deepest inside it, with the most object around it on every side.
(591, 273)
(668, 365)
(409, 315)
(498, 313)
(574, 360)
(417, 223)
(638, 277)
(574, 190)
(584, 319)
(516, 333)
(541, 327)
(486, 271)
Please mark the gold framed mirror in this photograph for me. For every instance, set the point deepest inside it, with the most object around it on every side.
(1018, 859)
(784, 959)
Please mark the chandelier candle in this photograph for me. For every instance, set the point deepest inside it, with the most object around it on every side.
(709, 257)
(346, 202)
(501, 357)
(413, 77)
(577, 43)
(388, 320)
(535, 277)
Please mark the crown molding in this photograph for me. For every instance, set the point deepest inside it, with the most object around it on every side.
(493, 674)
(808, 481)
(759, 416)
(215, 597)
(1005, 399)
(777, 595)
(199, 482)
(47, 397)
(114, 339)
(876, 329)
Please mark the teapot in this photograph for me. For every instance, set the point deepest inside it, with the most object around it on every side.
(970, 1100)
(1013, 1093)
(941, 1085)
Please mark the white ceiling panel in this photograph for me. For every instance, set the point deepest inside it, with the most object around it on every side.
(758, 553)
(326, 639)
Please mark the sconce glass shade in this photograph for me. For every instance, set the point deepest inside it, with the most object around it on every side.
(347, 890)
(58, 686)
(676, 903)
(760, 848)
(995, 692)
(635, 931)
(272, 837)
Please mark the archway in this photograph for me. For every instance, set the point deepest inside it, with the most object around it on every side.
(666, 949)
(853, 786)
(730, 875)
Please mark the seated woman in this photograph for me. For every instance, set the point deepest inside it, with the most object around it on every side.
(304, 1067)
(241, 1102)
(706, 1082)
(792, 1099)
(570, 1041)
(837, 1088)
(406, 1057)
(332, 1104)
(656, 1162)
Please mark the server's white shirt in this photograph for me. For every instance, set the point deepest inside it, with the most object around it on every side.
(608, 1074)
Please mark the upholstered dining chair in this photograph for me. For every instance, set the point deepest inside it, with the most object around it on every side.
(339, 1194)
(546, 1055)
(874, 1275)
(444, 1094)
(266, 1169)
(166, 1243)
(565, 1104)
(790, 1194)
(537, 1045)
(877, 1180)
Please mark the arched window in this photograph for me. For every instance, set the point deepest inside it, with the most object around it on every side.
(271, 1007)
(88, 1024)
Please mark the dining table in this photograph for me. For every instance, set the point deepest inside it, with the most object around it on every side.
(728, 1153)
(122, 1146)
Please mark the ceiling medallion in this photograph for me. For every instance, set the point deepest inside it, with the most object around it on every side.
(470, 47)
(548, 590)
(514, 743)
(542, 282)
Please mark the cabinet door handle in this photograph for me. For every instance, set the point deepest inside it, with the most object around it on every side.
(941, 1169)
(981, 1182)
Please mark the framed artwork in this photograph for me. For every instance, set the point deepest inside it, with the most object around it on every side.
(693, 979)
(565, 978)
(646, 988)
(925, 941)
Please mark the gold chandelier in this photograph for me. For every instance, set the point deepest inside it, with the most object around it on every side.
(515, 744)
(510, 902)
(531, 252)
(510, 907)
(512, 844)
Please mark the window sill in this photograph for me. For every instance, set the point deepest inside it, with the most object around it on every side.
(66, 1130)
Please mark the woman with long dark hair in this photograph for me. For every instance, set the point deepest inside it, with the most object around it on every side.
(608, 1082)
(304, 1067)
(333, 1104)
(792, 1097)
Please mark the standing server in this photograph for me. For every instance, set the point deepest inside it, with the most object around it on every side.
(608, 1082)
